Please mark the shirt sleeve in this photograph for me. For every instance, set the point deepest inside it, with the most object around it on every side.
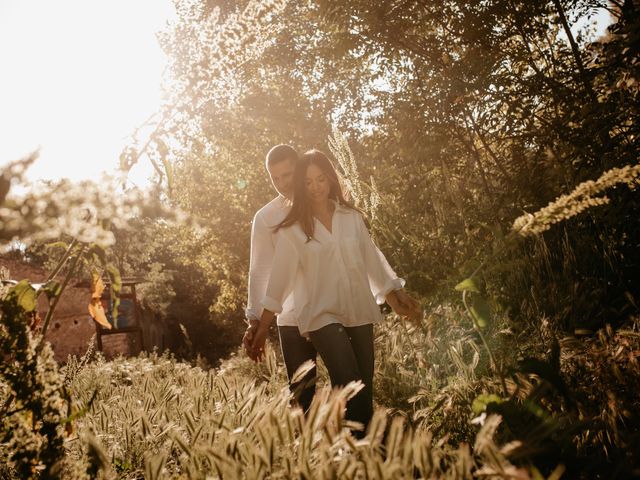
(382, 278)
(262, 252)
(283, 273)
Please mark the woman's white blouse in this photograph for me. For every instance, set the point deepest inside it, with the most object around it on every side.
(337, 277)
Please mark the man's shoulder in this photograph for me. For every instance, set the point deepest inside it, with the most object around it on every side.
(273, 210)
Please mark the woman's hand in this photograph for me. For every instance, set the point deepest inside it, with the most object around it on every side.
(404, 305)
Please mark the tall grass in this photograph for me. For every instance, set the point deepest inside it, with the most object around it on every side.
(440, 413)
(157, 418)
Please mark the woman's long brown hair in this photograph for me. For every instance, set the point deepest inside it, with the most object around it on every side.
(301, 209)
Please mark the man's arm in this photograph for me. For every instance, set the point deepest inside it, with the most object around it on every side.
(260, 263)
(261, 259)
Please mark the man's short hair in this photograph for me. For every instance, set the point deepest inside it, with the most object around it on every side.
(279, 153)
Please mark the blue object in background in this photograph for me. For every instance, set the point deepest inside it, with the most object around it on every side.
(126, 316)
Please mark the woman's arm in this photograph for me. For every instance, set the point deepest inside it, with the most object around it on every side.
(384, 283)
(279, 286)
(282, 275)
(382, 279)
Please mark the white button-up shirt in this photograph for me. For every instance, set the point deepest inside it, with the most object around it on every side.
(337, 277)
(263, 244)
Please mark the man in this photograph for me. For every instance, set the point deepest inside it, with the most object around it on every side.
(280, 162)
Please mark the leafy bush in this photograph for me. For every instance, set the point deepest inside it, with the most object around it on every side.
(35, 406)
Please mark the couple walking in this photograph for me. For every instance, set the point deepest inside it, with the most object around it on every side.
(315, 268)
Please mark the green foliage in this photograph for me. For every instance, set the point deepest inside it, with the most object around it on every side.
(481, 402)
(34, 403)
(153, 414)
(36, 409)
(188, 281)
(480, 312)
(156, 292)
(467, 285)
(460, 116)
(433, 375)
(24, 296)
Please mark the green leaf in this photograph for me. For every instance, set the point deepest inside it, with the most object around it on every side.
(536, 474)
(468, 285)
(98, 254)
(60, 245)
(481, 402)
(115, 287)
(25, 296)
(480, 311)
(52, 289)
(114, 278)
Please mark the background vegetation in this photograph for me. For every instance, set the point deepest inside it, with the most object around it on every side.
(495, 147)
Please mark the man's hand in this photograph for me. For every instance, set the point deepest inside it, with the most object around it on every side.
(404, 305)
(249, 333)
(256, 350)
(259, 336)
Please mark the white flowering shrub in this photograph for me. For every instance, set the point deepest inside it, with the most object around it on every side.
(84, 210)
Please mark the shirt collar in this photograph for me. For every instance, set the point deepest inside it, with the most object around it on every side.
(284, 201)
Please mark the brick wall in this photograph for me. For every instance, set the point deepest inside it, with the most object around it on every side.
(71, 328)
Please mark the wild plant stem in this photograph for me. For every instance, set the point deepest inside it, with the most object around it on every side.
(477, 328)
(63, 260)
(56, 299)
(406, 332)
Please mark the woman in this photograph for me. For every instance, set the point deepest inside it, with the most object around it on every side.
(325, 255)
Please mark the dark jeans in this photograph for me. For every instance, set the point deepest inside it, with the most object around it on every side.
(296, 350)
(347, 352)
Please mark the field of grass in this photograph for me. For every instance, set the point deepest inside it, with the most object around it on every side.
(450, 403)
(158, 418)
(155, 417)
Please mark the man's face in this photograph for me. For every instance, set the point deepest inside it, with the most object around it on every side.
(281, 175)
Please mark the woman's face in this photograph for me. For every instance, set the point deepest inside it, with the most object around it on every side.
(317, 184)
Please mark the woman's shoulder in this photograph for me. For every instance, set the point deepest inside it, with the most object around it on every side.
(352, 214)
(352, 220)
